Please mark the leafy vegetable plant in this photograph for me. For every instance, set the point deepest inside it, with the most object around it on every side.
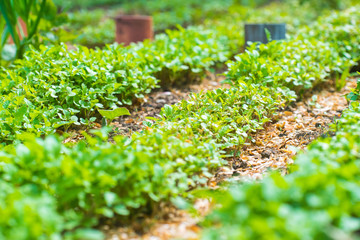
(77, 186)
(110, 115)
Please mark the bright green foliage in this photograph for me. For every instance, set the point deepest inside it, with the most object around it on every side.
(102, 34)
(98, 179)
(92, 28)
(297, 64)
(341, 29)
(182, 56)
(226, 115)
(318, 200)
(31, 12)
(27, 213)
(56, 87)
(355, 94)
(323, 5)
(61, 87)
(329, 48)
(110, 115)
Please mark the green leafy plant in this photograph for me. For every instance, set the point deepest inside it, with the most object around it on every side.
(110, 115)
(303, 204)
(176, 61)
(80, 185)
(31, 12)
(355, 94)
(61, 87)
(97, 179)
(228, 116)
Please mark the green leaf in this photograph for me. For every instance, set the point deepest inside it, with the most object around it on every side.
(20, 113)
(88, 234)
(121, 210)
(112, 114)
(110, 198)
(268, 35)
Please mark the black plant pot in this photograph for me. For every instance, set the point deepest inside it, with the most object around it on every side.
(257, 32)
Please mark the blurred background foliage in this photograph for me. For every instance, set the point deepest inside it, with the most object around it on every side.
(92, 20)
(90, 23)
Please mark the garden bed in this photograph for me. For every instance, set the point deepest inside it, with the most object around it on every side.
(90, 182)
(274, 149)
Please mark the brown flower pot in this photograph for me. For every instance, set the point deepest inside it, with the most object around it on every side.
(133, 28)
(23, 27)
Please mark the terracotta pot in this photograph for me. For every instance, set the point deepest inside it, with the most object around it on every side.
(256, 32)
(133, 28)
(23, 27)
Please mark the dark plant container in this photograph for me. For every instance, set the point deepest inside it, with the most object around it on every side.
(257, 33)
(133, 28)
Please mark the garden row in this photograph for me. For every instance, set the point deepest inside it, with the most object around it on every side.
(55, 87)
(319, 199)
(51, 190)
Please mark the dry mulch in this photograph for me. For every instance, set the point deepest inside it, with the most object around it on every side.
(294, 128)
(273, 148)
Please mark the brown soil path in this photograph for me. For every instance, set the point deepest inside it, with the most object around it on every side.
(272, 148)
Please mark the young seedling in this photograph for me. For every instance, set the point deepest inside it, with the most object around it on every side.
(110, 115)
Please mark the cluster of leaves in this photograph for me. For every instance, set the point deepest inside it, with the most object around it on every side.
(297, 64)
(21, 21)
(226, 115)
(81, 184)
(355, 94)
(56, 87)
(305, 203)
(91, 28)
(61, 87)
(96, 179)
(323, 5)
(319, 199)
(330, 48)
(27, 213)
(183, 56)
(341, 29)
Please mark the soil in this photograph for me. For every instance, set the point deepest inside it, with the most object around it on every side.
(273, 148)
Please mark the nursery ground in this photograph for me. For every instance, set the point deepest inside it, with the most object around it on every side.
(272, 149)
